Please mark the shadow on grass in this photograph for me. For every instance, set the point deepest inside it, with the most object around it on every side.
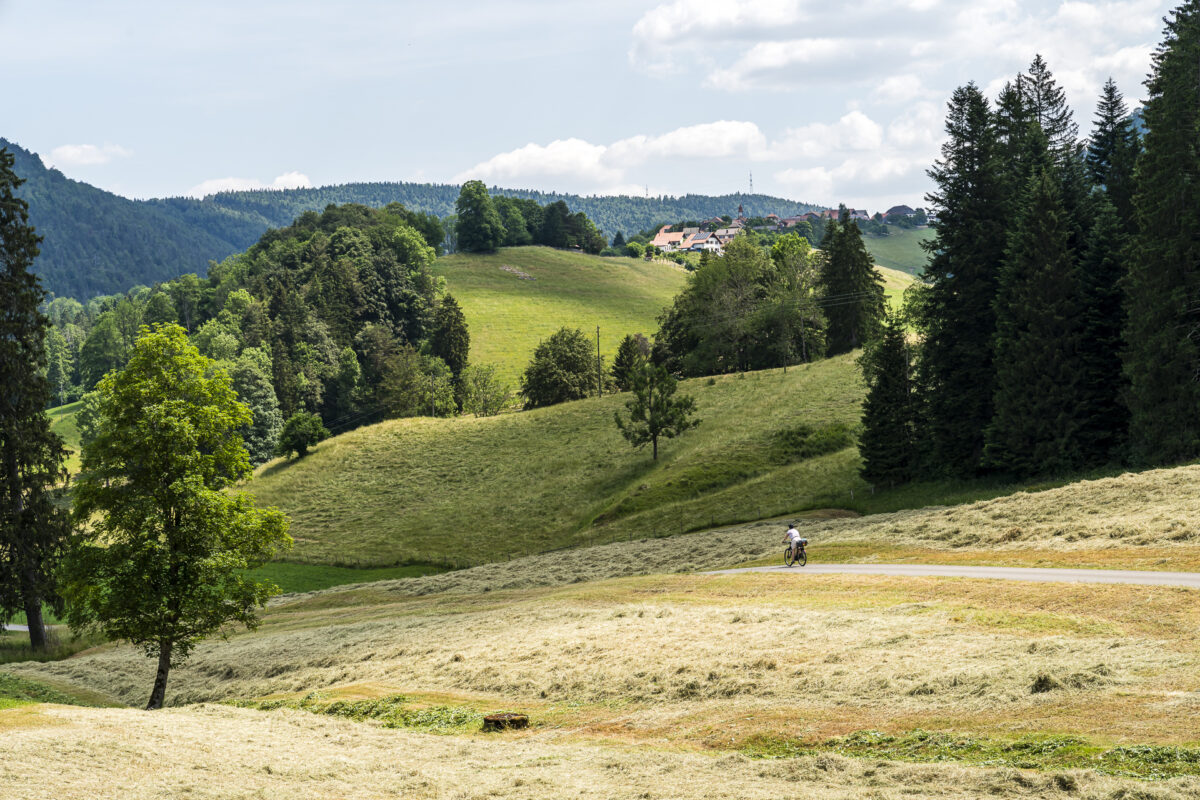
(14, 645)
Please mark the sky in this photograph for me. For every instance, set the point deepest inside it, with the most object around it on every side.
(820, 102)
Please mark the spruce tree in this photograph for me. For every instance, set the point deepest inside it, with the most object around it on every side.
(955, 314)
(1047, 106)
(886, 443)
(633, 351)
(1104, 417)
(32, 528)
(854, 301)
(449, 340)
(1112, 152)
(1036, 424)
(1161, 360)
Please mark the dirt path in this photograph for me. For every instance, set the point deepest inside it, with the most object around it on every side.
(1052, 574)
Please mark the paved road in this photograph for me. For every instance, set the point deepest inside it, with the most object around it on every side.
(1188, 579)
(16, 628)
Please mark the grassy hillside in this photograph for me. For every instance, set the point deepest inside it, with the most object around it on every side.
(508, 313)
(466, 491)
(901, 250)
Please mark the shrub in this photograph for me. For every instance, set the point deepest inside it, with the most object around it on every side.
(300, 432)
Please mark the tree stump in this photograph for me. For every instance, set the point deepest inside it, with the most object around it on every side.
(505, 722)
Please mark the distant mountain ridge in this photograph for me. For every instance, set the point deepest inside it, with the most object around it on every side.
(97, 242)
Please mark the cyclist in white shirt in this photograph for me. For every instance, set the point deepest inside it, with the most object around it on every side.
(792, 538)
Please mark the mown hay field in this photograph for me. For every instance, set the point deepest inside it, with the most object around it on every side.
(222, 752)
(1000, 688)
(468, 491)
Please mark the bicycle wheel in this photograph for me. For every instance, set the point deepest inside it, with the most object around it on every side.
(802, 559)
(787, 557)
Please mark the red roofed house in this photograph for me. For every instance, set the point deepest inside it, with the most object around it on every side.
(666, 241)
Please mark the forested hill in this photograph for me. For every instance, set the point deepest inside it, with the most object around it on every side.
(96, 242)
(277, 208)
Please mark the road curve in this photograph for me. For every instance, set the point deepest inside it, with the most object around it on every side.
(1190, 580)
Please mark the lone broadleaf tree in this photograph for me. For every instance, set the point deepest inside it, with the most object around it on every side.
(164, 562)
(654, 410)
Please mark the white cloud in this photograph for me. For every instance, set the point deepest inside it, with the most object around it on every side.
(721, 139)
(85, 155)
(846, 159)
(569, 158)
(288, 180)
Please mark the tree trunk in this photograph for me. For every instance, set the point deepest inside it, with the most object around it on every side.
(33, 611)
(654, 443)
(160, 679)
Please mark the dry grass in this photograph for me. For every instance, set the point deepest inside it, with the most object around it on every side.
(213, 752)
(761, 654)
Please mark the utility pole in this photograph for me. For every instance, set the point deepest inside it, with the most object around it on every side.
(599, 376)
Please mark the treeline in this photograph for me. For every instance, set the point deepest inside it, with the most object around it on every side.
(1055, 330)
(337, 315)
(483, 223)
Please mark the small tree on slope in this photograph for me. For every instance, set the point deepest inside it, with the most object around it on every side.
(164, 563)
(654, 410)
(886, 444)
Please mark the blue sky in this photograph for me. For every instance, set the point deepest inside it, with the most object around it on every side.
(824, 102)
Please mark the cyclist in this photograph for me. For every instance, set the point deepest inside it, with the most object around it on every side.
(792, 538)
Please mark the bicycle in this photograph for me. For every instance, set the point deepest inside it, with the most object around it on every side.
(797, 555)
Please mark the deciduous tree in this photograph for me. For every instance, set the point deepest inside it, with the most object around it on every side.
(164, 562)
(655, 411)
(479, 227)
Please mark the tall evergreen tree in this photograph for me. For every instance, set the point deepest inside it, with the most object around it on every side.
(32, 529)
(1104, 417)
(887, 444)
(1162, 360)
(1036, 422)
(479, 227)
(854, 300)
(1047, 106)
(449, 340)
(1112, 152)
(955, 314)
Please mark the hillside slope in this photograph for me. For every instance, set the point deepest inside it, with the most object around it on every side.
(901, 250)
(467, 491)
(518, 296)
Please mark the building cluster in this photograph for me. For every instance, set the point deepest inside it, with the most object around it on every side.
(713, 234)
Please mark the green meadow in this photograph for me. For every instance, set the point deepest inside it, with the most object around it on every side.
(901, 250)
(464, 491)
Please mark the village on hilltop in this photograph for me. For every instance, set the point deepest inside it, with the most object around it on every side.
(712, 235)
